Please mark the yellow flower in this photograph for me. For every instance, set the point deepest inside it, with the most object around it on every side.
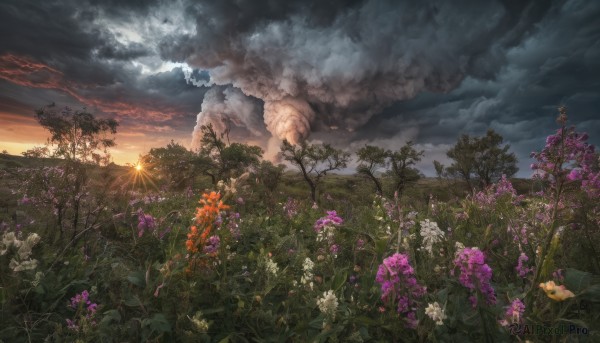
(554, 292)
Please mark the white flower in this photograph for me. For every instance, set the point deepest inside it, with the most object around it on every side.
(271, 267)
(436, 313)
(431, 234)
(307, 266)
(23, 265)
(326, 233)
(201, 325)
(9, 239)
(328, 304)
(459, 247)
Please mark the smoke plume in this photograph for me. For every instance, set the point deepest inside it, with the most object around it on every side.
(228, 108)
(329, 66)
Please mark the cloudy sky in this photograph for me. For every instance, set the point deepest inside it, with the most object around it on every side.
(344, 72)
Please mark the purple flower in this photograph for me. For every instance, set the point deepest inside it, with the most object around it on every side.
(521, 269)
(145, 222)
(212, 245)
(574, 175)
(398, 284)
(475, 274)
(332, 219)
(514, 313)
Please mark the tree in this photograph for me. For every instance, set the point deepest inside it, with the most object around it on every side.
(314, 161)
(37, 152)
(230, 160)
(269, 175)
(372, 158)
(481, 158)
(78, 136)
(402, 162)
(79, 139)
(176, 164)
(440, 169)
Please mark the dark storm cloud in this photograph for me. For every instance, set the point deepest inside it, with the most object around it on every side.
(346, 72)
(556, 64)
(71, 47)
(338, 70)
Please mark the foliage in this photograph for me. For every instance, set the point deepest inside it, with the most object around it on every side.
(229, 160)
(223, 265)
(314, 161)
(78, 135)
(178, 165)
(402, 162)
(371, 159)
(482, 159)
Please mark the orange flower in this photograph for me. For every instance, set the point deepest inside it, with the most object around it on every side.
(206, 215)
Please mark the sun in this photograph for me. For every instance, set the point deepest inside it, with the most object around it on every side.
(139, 167)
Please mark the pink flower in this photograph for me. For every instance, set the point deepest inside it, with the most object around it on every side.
(475, 274)
(398, 284)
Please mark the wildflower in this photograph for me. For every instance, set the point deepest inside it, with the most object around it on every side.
(291, 208)
(145, 222)
(436, 313)
(206, 216)
(328, 304)
(360, 244)
(554, 292)
(514, 313)
(307, 267)
(398, 284)
(431, 234)
(22, 265)
(333, 249)
(475, 274)
(200, 324)
(271, 267)
(521, 269)
(212, 245)
(557, 274)
(332, 219)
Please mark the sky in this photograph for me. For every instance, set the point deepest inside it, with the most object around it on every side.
(348, 73)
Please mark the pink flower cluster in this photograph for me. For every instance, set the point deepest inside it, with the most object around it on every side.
(475, 274)
(81, 302)
(398, 284)
(514, 313)
(291, 207)
(568, 157)
(332, 219)
(488, 197)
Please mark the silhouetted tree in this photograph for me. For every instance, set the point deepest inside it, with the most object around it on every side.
(229, 160)
(314, 161)
(402, 170)
(481, 158)
(440, 169)
(372, 158)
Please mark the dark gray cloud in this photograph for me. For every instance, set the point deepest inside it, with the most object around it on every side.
(347, 72)
(340, 69)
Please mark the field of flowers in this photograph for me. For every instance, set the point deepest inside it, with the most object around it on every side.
(112, 261)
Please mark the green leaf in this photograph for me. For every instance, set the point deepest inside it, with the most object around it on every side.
(339, 280)
(158, 323)
(137, 278)
(110, 316)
